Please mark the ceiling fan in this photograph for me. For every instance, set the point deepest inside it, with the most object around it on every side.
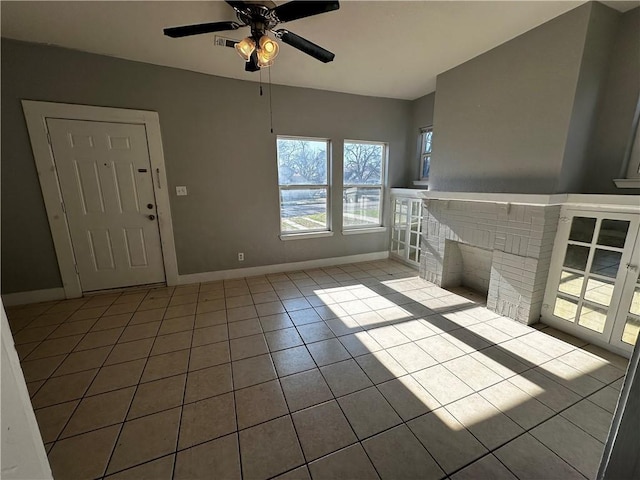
(258, 50)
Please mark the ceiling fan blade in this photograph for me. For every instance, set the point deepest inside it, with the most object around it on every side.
(188, 30)
(304, 45)
(237, 5)
(299, 9)
(252, 64)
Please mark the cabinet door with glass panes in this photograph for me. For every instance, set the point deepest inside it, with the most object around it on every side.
(592, 272)
(406, 229)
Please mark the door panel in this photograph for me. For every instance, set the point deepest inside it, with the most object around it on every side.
(587, 292)
(105, 179)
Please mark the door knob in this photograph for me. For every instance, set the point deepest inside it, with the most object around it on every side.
(152, 217)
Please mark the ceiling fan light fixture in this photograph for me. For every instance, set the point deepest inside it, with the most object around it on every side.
(267, 52)
(245, 48)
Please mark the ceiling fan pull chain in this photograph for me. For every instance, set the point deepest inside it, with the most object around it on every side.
(260, 82)
(270, 104)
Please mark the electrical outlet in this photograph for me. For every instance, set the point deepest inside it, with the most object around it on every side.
(241, 257)
(181, 191)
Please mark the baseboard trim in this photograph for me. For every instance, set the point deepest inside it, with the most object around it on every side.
(33, 296)
(278, 268)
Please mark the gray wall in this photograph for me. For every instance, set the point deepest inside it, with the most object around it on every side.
(216, 141)
(614, 128)
(550, 111)
(601, 33)
(422, 110)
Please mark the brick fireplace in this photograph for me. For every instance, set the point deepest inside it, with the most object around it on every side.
(498, 244)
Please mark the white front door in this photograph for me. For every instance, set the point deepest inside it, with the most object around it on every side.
(106, 182)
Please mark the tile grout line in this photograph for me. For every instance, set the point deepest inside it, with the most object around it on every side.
(184, 392)
(352, 357)
(84, 396)
(122, 425)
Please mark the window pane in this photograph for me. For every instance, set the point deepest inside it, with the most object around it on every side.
(606, 263)
(576, 257)
(613, 233)
(565, 309)
(582, 229)
(302, 162)
(426, 141)
(303, 209)
(571, 283)
(361, 206)
(363, 163)
(426, 166)
(593, 318)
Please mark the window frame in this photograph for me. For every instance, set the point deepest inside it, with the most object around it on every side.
(424, 155)
(309, 232)
(381, 186)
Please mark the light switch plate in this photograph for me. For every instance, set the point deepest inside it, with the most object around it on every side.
(181, 191)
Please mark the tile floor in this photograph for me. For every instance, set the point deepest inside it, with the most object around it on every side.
(353, 372)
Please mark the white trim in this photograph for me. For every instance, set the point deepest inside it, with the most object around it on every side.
(406, 192)
(306, 235)
(595, 199)
(23, 452)
(362, 230)
(519, 198)
(627, 182)
(33, 296)
(278, 268)
(421, 183)
(36, 114)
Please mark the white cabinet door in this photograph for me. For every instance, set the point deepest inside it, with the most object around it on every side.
(105, 178)
(406, 229)
(588, 288)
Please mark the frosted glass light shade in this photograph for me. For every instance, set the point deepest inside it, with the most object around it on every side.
(245, 48)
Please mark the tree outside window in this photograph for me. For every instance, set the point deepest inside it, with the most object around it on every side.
(363, 178)
(303, 165)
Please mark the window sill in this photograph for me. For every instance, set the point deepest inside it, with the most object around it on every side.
(302, 236)
(627, 182)
(358, 231)
(421, 183)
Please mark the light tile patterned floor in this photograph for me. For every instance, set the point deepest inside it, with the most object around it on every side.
(359, 371)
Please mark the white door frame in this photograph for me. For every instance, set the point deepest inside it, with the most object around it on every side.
(36, 114)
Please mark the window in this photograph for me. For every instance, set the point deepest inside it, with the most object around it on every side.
(426, 135)
(364, 172)
(303, 172)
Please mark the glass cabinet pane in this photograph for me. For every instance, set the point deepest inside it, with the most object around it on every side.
(613, 233)
(606, 262)
(571, 283)
(631, 329)
(566, 309)
(593, 318)
(582, 229)
(599, 291)
(635, 301)
(576, 257)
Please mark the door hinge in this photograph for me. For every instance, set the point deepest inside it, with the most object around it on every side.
(63, 207)
(49, 138)
(75, 265)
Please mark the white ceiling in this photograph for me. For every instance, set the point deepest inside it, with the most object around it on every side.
(385, 48)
